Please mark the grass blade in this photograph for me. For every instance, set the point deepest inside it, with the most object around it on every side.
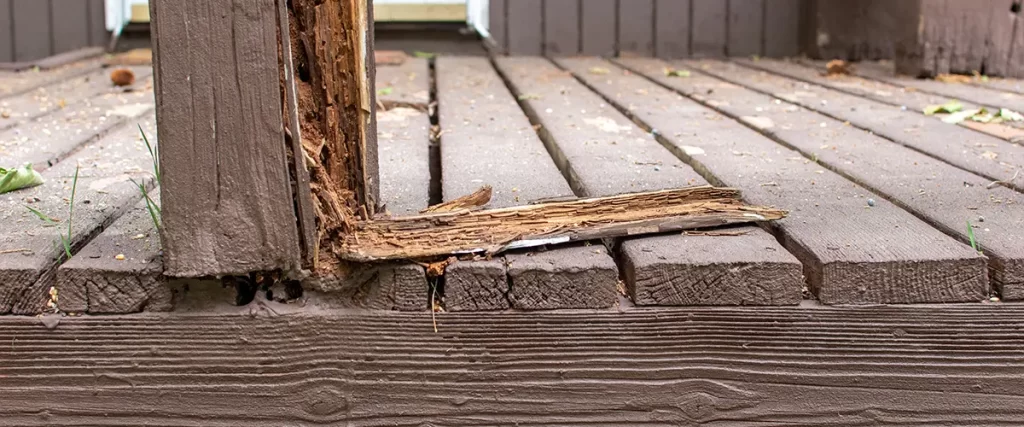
(970, 236)
(46, 218)
(151, 206)
(152, 153)
(66, 240)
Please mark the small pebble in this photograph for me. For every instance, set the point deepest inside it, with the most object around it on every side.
(656, 168)
(119, 257)
(903, 108)
(981, 219)
(871, 202)
(994, 299)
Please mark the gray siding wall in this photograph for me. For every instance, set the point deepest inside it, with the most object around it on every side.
(35, 29)
(662, 28)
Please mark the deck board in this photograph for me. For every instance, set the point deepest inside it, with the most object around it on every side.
(487, 139)
(606, 154)
(852, 254)
(96, 281)
(943, 195)
(14, 83)
(47, 99)
(978, 95)
(984, 155)
(882, 92)
(32, 249)
(49, 139)
(406, 85)
(936, 365)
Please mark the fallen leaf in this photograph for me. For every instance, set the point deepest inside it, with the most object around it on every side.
(528, 96)
(18, 178)
(837, 67)
(953, 78)
(426, 55)
(1010, 115)
(947, 108)
(960, 116)
(598, 70)
(669, 72)
(385, 91)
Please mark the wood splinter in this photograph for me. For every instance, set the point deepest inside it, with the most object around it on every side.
(496, 230)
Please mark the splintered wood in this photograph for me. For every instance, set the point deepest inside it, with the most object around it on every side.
(496, 230)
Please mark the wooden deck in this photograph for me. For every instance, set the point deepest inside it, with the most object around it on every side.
(880, 197)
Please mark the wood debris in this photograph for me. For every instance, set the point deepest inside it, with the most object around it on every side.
(122, 77)
(953, 78)
(837, 67)
(477, 200)
(496, 230)
(142, 56)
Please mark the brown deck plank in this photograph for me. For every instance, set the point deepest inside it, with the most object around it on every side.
(31, 30)
(672, 28)
(882, 92)
(498, 25)
(605, 154)
(486, 139)
(561, 27)
(636, 28)
(47, 99)
(916, 366)
(708, 35)
(96, 281)
(852, 254)
(14, 83)
(943, 195)
(31, 248)
(597, 33)
(781, 31)
(525, 27)
(70, 30)
(49, 139)
(406, 85)
(6, 49)
(984, 155)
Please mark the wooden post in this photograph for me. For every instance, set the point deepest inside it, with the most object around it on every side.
(233, 202)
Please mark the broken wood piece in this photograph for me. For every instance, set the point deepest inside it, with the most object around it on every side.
(496, 230)
(141, 56)
(477, 200)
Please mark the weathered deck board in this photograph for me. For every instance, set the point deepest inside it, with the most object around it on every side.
(965, 92)
(605, 154)
(984, 155)
(915, 366)
(882, 92)
(47, 99)
(31, 248)
(746, 27)
(406, 85)
(597, 33)
(96, 281)
(226, 192)
(49, 139)
(561, 27)
(636, 28)
(852, 253)
(945, 196)
(14, 83)
(486, 139)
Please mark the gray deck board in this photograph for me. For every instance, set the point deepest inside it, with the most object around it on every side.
(991, 98)
(853, 253)
(487, 140)
(14, 83)
(406, 85)
(945, 196)
(606, 154)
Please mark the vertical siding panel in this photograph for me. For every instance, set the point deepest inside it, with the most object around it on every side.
(561, 27)
(6, 32)
(496, 24)
(672, 28)
(746, 27)
(709, 28)
(97, 24)
(782, 22)
(31, 30)
(636, 29)
(525, 29)
(598, 32)
(1000, 36)
(70, 19)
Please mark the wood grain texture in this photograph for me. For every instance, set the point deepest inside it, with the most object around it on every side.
(497, 25)
(70, 20)
(50, 139)
(96, 281)
(598, 32)
(227, 202)
(916, 100)
(525, 27)
(915, 366)
(852, 253)
(672, 28)
(603, 153)
(708, 35)
(636, 28)
(561, 27)
(31, 250)
(782, 22)
(32, 31)
(746, 27)
(7, 34)
(946, 197)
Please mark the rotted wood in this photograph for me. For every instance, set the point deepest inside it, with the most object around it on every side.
(496, 230)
